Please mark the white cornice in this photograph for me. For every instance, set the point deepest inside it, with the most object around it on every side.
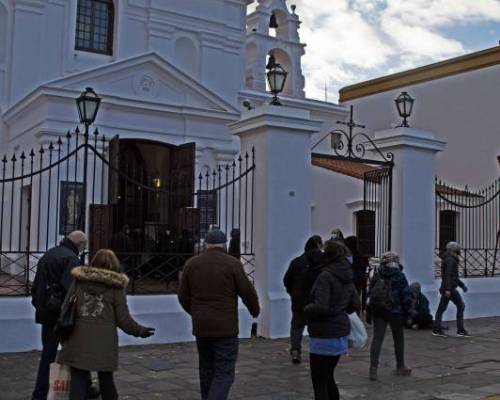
(115, 101)
(309, 104)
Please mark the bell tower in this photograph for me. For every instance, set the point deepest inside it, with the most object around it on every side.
(273, 30)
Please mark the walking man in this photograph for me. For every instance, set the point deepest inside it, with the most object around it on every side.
(209, 290)
(52, 281)
(295, 284)
(449, 292)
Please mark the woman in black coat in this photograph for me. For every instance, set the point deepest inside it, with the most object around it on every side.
(333, 297)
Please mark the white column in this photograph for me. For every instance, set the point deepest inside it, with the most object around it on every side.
(413, 207)
(281, 137)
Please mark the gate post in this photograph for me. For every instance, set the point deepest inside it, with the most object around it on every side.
(414, 198)
(282, 221)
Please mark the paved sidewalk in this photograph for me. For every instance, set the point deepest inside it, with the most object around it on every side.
(446, 369)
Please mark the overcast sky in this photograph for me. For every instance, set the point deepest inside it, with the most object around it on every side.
(349, 41)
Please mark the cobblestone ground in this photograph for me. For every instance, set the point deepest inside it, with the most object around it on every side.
(446, 369)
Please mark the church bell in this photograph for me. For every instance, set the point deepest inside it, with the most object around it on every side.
(272, 22)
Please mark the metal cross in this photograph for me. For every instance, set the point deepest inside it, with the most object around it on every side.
(351, 124)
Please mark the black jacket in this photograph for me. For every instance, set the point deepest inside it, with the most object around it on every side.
(54, 268)
(449, 273)
(295, 279)
(333, 297)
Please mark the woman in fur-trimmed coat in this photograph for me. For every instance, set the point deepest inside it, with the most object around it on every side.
(101, 308)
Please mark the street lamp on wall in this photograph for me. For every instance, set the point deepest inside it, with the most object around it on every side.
(276, 77)
(88, 105)
(404, 104)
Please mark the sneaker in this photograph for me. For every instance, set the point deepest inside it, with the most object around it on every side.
(296, 357)
(373, 374)
(404, 371)
(439, 333)
(463, 333)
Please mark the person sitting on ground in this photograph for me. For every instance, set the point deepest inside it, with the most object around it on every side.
(333, 297)
(389, 301)
(296, 286)
(101, 307)
(422, 318)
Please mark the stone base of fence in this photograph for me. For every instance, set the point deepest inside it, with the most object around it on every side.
(18, 331)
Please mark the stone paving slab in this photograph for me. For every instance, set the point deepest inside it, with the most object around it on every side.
(444, 369)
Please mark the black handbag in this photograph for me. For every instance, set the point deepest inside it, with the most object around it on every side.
(67, 318)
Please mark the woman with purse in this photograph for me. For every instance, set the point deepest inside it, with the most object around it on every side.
(333, 297)
(99, 304)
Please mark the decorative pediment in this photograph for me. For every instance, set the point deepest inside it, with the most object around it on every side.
(146, 78)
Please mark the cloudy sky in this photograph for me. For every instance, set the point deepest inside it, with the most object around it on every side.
(349, 41)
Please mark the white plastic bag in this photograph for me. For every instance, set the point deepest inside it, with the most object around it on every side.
(59, 381)
(358, 336)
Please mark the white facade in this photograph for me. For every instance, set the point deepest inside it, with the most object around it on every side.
(461, 107)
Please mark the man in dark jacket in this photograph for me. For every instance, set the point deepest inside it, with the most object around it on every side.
(209, 290)
(294, 281)
(450, 281)
(52, 281)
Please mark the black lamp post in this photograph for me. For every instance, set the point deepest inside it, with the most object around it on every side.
(88, 105)
(404, 104)
(276, 76)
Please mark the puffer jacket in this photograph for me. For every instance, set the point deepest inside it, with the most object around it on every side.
(101, 308)
(401, 297)
(333, 297)
(449, 273)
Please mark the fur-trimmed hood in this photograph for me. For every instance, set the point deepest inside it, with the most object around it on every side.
(100, 275)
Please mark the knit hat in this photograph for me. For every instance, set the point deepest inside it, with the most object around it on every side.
(390, 256)
(453, 246)
(216, 236)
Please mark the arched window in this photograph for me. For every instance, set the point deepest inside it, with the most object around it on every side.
(94, 26)
(186, 55)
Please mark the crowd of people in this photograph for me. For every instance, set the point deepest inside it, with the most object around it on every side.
(80, 307)
(331, 280)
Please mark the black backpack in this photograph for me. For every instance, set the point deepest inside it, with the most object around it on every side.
(381, 293)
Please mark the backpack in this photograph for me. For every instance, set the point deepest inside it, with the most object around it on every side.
(381, 293)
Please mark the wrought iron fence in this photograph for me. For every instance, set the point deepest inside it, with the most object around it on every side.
(44, 196)
(375, 221)
(470, 217)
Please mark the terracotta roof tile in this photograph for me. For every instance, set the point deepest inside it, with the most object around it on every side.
(345, 167)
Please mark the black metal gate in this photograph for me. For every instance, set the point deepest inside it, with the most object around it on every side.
(374, 221)
(154, 221)
(471, 218)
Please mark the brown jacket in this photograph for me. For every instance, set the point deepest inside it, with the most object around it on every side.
(101, 308)
(209, 290)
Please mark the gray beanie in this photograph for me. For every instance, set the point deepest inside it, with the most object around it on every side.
(453, 246)
(216, 236)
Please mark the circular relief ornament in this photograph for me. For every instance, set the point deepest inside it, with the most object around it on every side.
(145, 85)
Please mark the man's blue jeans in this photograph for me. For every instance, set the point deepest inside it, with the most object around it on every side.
(217, 362)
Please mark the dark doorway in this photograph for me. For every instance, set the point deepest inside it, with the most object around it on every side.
(150, 198)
